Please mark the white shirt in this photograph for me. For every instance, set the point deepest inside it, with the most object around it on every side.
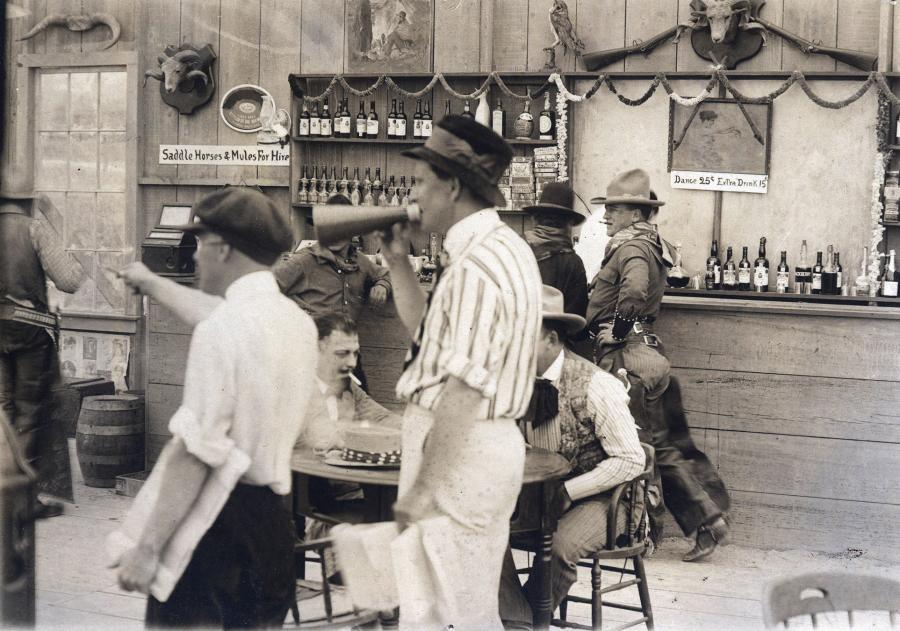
(591, 244)
(250, 371)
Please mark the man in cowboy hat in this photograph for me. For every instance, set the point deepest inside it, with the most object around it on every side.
(625, 301)
(470, 372)
(570, 393)
(30, 255)
(551, 241)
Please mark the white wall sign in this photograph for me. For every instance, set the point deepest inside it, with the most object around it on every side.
(732, 182)
(268, 156)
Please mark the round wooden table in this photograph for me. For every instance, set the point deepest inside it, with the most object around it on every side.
(534, 511)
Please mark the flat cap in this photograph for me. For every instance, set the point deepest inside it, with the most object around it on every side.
(245, 219)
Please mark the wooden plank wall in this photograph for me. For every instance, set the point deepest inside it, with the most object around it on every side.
(800, 415)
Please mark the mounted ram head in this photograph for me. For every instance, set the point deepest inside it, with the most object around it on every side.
(185, 76)
(181, 67)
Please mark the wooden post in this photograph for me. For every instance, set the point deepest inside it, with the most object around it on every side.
(717, 197)
(886, 36)
(486, 39)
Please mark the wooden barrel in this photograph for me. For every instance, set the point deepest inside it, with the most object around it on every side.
(110, 438)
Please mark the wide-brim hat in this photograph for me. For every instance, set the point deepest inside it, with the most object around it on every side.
(449, 148)
(558, 198)
(552, 303)
(630, 187)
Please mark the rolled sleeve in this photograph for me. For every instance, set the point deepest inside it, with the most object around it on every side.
(205, 443)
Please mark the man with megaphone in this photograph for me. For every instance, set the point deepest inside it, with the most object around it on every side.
(468, 375)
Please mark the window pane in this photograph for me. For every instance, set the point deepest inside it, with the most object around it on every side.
(83, 299)
(112, 161)
(52, 161)
(84, 100)
(110, 221)
(110, 295)
(53, 102)
(83, 161)
(80, 211)
(113, 96)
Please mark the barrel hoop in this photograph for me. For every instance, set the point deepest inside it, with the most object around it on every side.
(110, 430)
(92, 459)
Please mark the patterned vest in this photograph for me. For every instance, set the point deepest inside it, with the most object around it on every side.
(21, 274)
(578, 443)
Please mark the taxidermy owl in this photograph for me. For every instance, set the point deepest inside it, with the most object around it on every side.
(563, 29)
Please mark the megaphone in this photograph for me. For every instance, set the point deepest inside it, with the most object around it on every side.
(337, 222)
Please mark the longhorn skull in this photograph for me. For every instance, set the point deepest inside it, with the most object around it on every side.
(723, 18)
(78, 23)
(177, 69)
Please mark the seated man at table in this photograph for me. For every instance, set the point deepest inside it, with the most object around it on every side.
(581, 412)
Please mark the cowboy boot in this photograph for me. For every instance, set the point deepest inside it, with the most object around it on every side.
(709, 536)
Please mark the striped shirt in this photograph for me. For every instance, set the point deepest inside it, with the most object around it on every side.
(483, 322)
(614, 427)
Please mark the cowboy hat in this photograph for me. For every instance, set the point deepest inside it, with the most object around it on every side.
(552, 306)
(558, 198)
(630, 187)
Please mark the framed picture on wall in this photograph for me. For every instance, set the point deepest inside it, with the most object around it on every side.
(720, 144)
(388, 36)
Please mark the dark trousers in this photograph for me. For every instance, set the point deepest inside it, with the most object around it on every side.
(28, 369)
(242, 573)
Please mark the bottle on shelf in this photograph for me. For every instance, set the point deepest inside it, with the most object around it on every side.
(392, 120)
(315, 122)
(346, 119)
(302, 183)
(783, 275)
(498, 119)
(354, 188)
(713, 268)
(394, 193)
(861, 284)
(426, 120)
(377, 188)
(368, 197)
(328, 188)
(677, 277)
(829, 275)
(389, 189)
(412, 185)
(447, 111)
(344, 183)
(402, 192)
(483, 111)
(337, 125)
(312, 196)
(372, 122)
(325, 121)
(303, 121)
(744, 272)
(466, 111)
(761, 269)
(890, 280)
(361, 120)
(839, 274)
(322, 193)
(817, 274)
(400, 123)
(729, 271)
(547, 120)
(803, 273)
(417, 120)
(524, 125)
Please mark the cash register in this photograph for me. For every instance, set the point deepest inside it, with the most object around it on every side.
(168, 250)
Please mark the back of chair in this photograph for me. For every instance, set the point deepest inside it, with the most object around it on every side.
(820, 592)
(633, 495)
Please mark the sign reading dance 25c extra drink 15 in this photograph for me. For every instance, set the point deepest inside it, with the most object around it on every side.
(731, 182)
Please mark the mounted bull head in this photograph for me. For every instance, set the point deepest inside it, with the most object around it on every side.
(78, 23)
(724, 18)
(177, 69)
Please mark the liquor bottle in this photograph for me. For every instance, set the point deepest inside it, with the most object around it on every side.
(322, 191)
(839, 274)
(861, 284)
(783, 275)
(677, 277)
(417, 120)
(329, 182)
(337, 127)
(744, 275)
(372, 122)
(729, 272)
(483, 111)
(817, 274)
(498, 119)
(303, 121)
(325, 121)
(524, 125)
(761, 269)
(400, 123)
(803, 273)
(361, 120)
(890, 281)
(466, 111)
(447, 111)
(426, 120)
(392, 120)
(346, 119)
(315, 122)
(313, 190)
(377, 188)
(367, 186)
(389, 189)
(302, 183)
(714, 268)
(344, 183)
(354, 188)
(412, 185)
(547, 120)
(402, 192)
(368, 198)
(394, 193)
(829, 275)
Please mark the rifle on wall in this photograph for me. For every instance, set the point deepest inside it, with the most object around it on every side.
(601, 58)
(855, 58)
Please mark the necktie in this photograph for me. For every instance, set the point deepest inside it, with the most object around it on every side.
(416, 343)
(544, 402)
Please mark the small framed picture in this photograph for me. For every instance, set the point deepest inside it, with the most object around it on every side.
(175, 215)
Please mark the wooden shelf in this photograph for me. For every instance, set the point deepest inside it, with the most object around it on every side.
(409, 141)
(776, 297)
(890, 224)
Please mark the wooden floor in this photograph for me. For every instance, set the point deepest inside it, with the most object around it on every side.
(77, 591)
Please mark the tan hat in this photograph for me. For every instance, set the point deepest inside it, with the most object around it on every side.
(630, 187)
(552, 304)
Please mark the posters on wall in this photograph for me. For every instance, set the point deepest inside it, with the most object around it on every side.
(389, 35)
(85, 355)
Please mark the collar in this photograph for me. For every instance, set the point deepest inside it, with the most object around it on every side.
(252, 284)
(463, 232)
(554, 371)
(323, 387)
(324, 255)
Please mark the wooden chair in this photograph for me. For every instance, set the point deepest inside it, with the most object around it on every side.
(330, 620)
(819, 592)
(627, 544)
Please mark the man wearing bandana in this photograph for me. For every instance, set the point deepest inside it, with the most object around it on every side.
(625, 302)
(581, 412)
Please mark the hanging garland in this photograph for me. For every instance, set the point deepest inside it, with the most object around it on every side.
(876, 209)
(562, 135)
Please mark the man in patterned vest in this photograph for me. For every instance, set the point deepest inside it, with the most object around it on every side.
(581, 412)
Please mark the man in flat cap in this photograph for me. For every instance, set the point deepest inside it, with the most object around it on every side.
(250, 371)
(626, 295)
(470, 371)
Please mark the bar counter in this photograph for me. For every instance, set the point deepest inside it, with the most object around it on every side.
(796, 403)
